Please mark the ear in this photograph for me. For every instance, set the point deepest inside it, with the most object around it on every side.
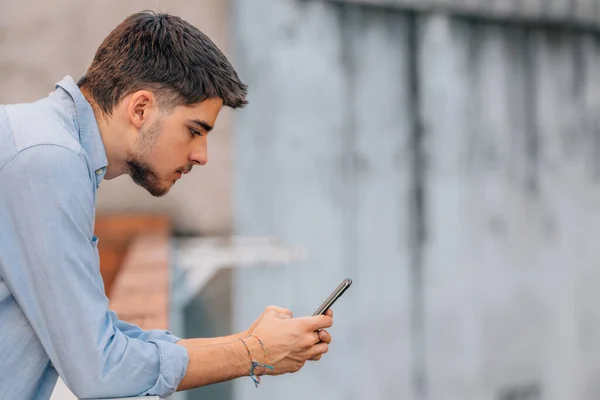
(141, 105)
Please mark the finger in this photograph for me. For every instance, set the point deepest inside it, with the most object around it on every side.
(280, 310)
(317, 349)
(316, 358)
(329, 313)
(315, 338)
(324, 336)
(311, 339)
(317, 322)
(284, 316)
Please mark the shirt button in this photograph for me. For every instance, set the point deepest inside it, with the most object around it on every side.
(99, 171)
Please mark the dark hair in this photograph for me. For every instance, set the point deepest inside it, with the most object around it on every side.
(164, 54)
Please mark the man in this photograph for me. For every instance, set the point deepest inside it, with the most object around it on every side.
(145, 108)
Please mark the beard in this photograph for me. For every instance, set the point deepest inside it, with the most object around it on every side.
(143, 175)
(139, 169)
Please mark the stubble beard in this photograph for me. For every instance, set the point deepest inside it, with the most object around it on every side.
(139, 169)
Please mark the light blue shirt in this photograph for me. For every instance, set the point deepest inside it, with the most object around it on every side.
(54, 314)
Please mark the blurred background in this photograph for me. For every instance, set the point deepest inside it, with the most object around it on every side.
(445, 155)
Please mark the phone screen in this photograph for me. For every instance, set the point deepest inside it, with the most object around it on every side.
(336, 294)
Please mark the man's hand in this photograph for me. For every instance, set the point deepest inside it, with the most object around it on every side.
(290, 342)
(323, 334)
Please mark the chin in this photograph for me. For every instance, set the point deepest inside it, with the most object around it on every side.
(158, 191)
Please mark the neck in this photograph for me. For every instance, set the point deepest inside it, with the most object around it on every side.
(115, 144)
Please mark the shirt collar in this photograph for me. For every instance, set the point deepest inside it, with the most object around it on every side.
(89, 133)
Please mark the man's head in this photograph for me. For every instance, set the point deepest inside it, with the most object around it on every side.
(158, 84)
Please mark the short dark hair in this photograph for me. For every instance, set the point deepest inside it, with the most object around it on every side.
(164, 54)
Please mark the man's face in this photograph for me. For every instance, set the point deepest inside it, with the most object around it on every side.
(171, 145)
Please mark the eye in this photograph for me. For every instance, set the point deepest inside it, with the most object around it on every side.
(194, 132)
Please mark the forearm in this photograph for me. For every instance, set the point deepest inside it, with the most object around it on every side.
(217, 363)
(198, 342)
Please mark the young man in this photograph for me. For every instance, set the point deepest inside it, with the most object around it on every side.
(144, 108)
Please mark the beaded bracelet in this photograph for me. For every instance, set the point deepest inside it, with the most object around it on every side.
(255, 364)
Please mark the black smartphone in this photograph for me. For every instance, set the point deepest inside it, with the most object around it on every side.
(336, 294)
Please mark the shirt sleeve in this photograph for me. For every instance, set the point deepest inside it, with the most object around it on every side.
(47, 209)
(134, 331)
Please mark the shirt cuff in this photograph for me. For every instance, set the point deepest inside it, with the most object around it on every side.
(173, 366)
(166, 336)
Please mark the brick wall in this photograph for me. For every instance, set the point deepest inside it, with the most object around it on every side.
(134, 263)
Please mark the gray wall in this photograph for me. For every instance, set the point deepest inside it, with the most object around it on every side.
(450, 167)
(42, 41)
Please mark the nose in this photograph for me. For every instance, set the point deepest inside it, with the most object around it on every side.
(199, 154)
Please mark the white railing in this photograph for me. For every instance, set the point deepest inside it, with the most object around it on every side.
(199, 259)
(62, 392)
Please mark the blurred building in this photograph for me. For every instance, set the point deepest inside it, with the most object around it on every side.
(443, 154)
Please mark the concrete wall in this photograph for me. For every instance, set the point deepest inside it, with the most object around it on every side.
(331, 169)
(42, 41)
(450, 167)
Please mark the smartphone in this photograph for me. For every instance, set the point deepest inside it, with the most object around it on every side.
(336, 294)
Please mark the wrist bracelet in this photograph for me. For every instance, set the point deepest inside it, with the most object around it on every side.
(255, 364)
(264, 350)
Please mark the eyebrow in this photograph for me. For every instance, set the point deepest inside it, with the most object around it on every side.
(205, 125)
